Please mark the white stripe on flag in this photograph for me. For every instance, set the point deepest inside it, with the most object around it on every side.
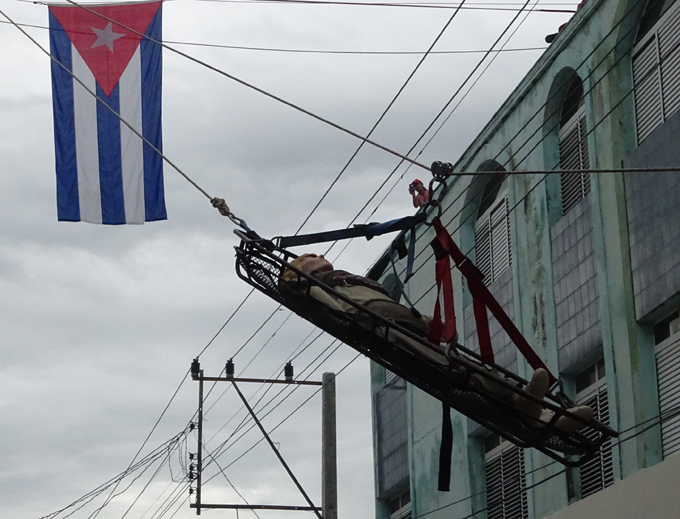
(85, 111)
(130, 89)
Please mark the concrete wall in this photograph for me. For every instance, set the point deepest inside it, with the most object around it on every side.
(649, 493)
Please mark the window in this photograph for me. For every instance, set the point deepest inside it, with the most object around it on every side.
(492, 231)
(400, 506)
(506, 496)
(591, 389)
(573, 147)
(656, 67)
(667, 351)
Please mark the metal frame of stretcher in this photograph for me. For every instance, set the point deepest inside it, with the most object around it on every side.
(261, 263)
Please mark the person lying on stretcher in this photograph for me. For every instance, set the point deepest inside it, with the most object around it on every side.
(372, 296)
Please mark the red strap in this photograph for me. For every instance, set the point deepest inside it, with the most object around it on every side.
(444, 283)
(481, 293)
(483, 334)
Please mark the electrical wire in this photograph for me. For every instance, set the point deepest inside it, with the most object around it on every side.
(455, 94)
(369, 134)
(446, 119)
(237, 80)
(630, 10)
(656, 420)
(382, 116)
(315, 51)
(539, 110)
(525, 4)
(409, 5)
(140, 464)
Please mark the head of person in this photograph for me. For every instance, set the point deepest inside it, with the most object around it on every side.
(307, 263)
(418, 186)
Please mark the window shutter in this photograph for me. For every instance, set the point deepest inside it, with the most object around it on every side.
(598, 472)
(500, 238)
(492, 241)
(483, 248)
(656, 73)
(574, 155)
(648, 101)
(506, 496)
(668, 376)
(669, 49)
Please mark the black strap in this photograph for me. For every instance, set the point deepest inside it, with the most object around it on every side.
(445, 450)
(368, 230)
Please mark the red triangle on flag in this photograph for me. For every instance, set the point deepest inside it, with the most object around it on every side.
(106, 47)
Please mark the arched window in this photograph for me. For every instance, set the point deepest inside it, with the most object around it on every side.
(573, 146)
(656, 65)
(492, 230)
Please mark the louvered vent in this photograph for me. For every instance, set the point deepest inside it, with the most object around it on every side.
(598, 473)
(389, 376)
(492, 241)
(574, 155)
(506, 496)
(668, 375)
(483, 248)
(648, 105)
(656, 73)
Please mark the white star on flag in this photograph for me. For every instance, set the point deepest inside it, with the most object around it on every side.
(106, 36)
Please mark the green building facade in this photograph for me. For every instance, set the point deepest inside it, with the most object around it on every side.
(586, 264)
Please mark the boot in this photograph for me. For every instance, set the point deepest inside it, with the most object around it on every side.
(538, 387)
(565, 423)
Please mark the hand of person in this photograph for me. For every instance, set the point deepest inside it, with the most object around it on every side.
(411, 190)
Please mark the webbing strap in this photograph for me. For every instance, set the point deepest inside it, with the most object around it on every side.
(481, 293)
(409, 270)
(445, 450)
(482, 322)
(368, 230)
(444, 285)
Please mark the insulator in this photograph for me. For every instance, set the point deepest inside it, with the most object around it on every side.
(192, 456)
(288, 371)
(195, 368)
(192, 426)
(230, 368)
(191, 490)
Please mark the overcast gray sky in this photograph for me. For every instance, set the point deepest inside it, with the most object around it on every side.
(99, 324)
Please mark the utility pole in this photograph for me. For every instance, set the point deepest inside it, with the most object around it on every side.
(329, 508)
(329, 464)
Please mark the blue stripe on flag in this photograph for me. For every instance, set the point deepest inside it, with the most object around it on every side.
(110, 165)
(68, 208)
(151, 58)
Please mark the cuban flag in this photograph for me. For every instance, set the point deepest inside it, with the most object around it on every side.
(105, 172)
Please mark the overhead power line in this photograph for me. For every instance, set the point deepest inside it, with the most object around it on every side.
(412, 5)
(429, 127)
(382, 116)
(538, 112)
(318, 51)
